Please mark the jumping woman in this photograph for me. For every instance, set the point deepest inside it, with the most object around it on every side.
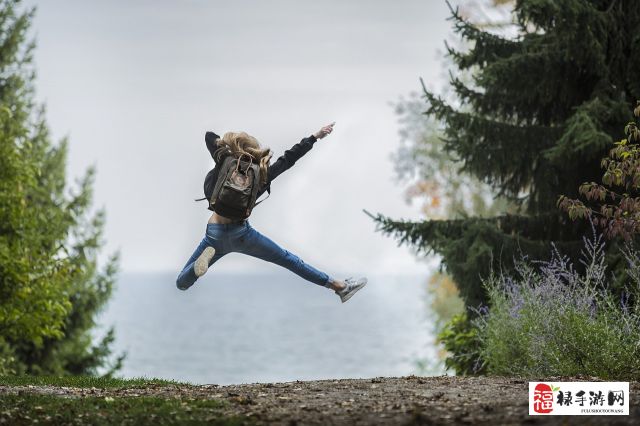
(242, 173)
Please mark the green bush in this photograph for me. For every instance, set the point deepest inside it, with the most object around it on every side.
(551, 320)
(51, 284)
(460, 338)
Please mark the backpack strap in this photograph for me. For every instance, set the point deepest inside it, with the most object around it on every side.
(225, 168)
(268, 194)
(201, 199)
(256, 184)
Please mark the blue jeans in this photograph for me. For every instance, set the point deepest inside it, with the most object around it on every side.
(242, 238)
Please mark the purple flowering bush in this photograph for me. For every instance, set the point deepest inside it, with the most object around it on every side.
(548, 319)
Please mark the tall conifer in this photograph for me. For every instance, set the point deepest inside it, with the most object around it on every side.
(540, 113)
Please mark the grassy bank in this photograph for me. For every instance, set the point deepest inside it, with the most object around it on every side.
(83, 381)
(22, 406)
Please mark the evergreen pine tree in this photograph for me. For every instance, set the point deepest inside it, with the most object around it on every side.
(50, 286)
(542, 110)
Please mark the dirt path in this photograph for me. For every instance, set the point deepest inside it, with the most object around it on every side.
(405, 400)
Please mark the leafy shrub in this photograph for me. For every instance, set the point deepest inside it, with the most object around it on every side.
(618, 212)
(7, 359)
(51, 283)
(551, 320)
(460, 338)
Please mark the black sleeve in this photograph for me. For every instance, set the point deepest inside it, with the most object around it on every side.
(290, 157)
(210, 139)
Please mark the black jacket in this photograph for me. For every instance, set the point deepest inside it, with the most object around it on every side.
(283, 163)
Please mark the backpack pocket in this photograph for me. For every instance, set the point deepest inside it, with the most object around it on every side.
(234, 195)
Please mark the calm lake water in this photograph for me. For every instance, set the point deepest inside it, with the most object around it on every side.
(268, 328)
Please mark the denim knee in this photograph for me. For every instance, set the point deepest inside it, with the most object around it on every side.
(290, 257)
(180, 284)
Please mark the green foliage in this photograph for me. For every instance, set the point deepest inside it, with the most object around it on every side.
(550, 320)
(50, 285)
(618, 210)
(533, 123)
(460, 338)
(7, 359)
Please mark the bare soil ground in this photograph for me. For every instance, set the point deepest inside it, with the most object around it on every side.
(396, 401)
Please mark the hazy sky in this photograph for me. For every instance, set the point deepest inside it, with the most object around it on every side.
(136, 84)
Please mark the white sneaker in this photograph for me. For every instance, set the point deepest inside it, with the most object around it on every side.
(352, 287)
(202, 262)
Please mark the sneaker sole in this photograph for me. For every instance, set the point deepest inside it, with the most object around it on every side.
(348, 296)
(202, 262)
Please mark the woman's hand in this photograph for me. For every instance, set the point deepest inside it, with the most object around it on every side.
(324, 131)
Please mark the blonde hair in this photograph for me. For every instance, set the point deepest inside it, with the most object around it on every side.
(241, 143)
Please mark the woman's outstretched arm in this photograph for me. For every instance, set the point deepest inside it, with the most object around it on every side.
(294, 153)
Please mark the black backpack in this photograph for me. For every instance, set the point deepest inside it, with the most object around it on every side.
(234, 193)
